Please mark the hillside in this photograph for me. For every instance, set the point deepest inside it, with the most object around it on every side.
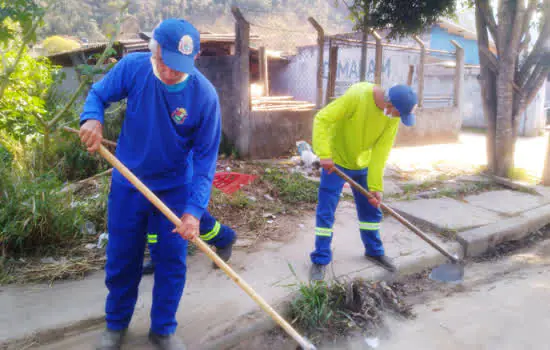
(282, 24)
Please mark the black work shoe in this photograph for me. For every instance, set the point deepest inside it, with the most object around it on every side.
(382, 261)
(111, 340)
(317, 272)
(225, 252)
(148, 268)
(166, 342)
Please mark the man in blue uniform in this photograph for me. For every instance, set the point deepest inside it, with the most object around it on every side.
(169, 140)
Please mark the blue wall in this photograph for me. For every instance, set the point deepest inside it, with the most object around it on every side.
(441, 40)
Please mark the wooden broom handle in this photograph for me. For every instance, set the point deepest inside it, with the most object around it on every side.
(304, 343)
(104, 141)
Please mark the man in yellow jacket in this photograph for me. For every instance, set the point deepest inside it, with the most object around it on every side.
(355, 133)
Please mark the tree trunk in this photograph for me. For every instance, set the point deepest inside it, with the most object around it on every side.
(510, 22)
(502, 106)
(504, 136)
(488, 89)
(546, 172)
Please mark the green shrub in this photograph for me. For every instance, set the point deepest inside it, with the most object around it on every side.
(35, 215)
(74, 162)
(6, 159)
(94, 208)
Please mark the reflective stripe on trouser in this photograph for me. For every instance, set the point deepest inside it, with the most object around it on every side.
(214, 233)
(152, 238)
(330, 190)
(211, 231)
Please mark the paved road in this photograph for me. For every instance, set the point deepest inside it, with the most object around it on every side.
(503, 305)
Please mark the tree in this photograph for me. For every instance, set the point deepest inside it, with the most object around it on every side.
(510, 79)
(402, 17)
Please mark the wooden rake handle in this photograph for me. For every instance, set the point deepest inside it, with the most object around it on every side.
(399, 218)
(104, 141)
(304, 343)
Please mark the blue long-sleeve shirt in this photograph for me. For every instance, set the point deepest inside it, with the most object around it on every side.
(168, 138)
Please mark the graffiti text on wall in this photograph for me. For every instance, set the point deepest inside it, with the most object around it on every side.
(348, 69)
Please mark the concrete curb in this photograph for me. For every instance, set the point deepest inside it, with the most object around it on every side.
(477, 241)
(229, 334)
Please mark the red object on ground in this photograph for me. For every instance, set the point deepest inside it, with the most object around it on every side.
(229, 182)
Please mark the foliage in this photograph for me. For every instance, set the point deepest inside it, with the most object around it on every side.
(35, 215)
(312, 309)
(94, 208)
(402, 17)
(88, 19)
(22, 12)
(74, 162)
(56, 43)
(23, 103)
(292, 188)
(5, 157)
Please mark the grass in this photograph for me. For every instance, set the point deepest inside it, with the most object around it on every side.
(327, 312)
(443, 188)
(520, 174)
(35, 216)
(74, 162)
(292, 188)
(418, 187)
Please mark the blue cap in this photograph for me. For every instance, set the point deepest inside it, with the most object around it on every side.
(404, 99)
(180, 42)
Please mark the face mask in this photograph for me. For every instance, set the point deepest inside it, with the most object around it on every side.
(155, 71)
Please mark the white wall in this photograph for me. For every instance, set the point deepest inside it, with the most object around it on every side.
(298, 78)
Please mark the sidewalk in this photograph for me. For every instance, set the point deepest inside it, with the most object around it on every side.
(212, 302)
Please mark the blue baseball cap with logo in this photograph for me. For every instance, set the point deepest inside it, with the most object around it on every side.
(404, 99)
(180, 43)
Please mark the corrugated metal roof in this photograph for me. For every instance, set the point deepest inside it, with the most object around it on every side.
(210, 37)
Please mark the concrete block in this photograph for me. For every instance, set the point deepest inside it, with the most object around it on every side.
(506, 201)
(478, 241)
(538, 218)
(446, 213)
(474, 178)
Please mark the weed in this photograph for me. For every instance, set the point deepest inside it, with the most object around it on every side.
(312, 308)
(35, 216)
(74, 162)
(292, 188)
(521, 174)
(329, 311)
(94, 208)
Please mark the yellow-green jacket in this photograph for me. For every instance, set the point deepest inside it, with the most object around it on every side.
(356, 134)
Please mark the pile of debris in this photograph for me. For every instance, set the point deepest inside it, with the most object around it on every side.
(328, 313)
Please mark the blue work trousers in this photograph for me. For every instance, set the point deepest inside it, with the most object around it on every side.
(330, 190)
